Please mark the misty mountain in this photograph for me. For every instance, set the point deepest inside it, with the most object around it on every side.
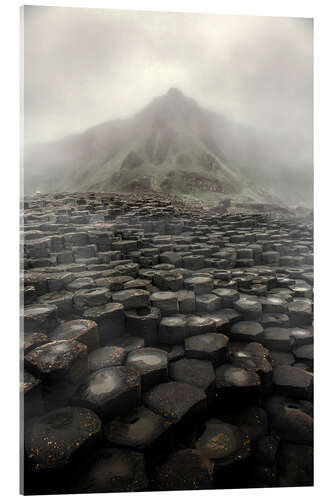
(174, 146)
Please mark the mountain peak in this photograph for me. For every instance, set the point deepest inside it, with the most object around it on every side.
(174, 92)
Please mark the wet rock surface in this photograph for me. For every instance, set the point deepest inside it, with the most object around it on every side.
(165, 347)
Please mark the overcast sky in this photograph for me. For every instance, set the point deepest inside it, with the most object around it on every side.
(86, 66)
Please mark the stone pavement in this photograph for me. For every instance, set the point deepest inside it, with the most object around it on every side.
(165, 346)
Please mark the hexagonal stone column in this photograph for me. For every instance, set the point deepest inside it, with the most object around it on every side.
(222, 443)
(247, 331)
(278, 339)
(237, 386)
(293, 382)
(113, 470)
(105, 357)
(300, 313)
(182, 404)
(173, 330)
(165, 301)
(195, 372)
(152, 364)
(82, 330)
(198, 325)
(227, 296)
(61, 365)
(290, 420)
(31, 340)
(141, 430)
(209, 346)
(144, 322)
(200, 285)
(110, 319)
(208, 303)
(250, 309)
(93, 297)
(58, 360)
(40, 318)
(62, 299)
(110, 392)
(302, 336)
(56, 444)
(186, 301)
(273, 305)
(196, 472)
(132, 299)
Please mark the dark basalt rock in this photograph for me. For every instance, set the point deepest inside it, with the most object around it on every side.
(82, 330)
(180, 403)
(281, 358)
(209, 346)
(295, 465)
(40, 317)
(185, 470)
(91, 297)
(152, 281)
(200, 285)
(250, 309)
(289, 420)
(195, 372)
(32, 340)
(152, 364)
(227, 295)
(31, 389)
(105, 357)
(293, 382)
(173, 330)
(186, 301)
(300, 313)
(132, 299)
(129, 343)
(198, 325)
(110, 319)
(141, 430)
(247, 331)
(275, 319)
(223, 443)
(63, 300)
(110, 392)
(144, 322)
(167, 302)
(174, 352)
(57, 360)
(237, 385)
(301, 336)
(278, 339)
(57, 439)
(265, 450)
(112, 470)
(304, 354)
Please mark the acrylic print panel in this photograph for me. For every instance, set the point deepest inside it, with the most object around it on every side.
(167, 263)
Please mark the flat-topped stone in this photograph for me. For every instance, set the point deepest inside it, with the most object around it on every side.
(82, 330)
(106, 356)
(110, 391)
(151, 363)
(209, 346)
(177, 402)
(58, 438)
(196, 472)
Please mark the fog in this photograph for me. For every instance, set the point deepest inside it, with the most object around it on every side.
(87, 66)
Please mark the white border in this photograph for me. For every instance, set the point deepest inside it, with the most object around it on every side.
(9, 45)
